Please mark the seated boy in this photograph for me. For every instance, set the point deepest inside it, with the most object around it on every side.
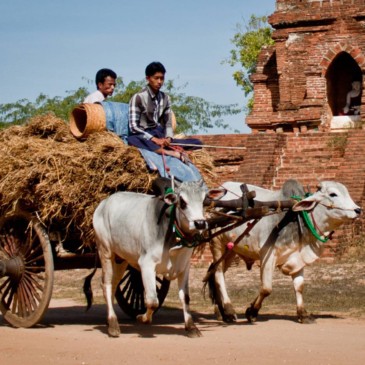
(150, 118)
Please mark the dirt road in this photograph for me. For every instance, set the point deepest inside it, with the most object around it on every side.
(68, 335)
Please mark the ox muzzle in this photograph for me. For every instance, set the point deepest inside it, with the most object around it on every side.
(199, 224)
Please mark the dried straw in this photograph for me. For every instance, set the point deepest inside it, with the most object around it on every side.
(44, 169)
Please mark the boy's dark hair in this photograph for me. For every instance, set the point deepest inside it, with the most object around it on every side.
(154, 67)
(102, 74)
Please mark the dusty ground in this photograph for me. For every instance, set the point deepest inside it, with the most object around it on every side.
(69, 335)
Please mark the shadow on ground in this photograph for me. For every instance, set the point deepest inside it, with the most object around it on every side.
(167, 321)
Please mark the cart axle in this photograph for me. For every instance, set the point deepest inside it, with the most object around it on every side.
(13, 268)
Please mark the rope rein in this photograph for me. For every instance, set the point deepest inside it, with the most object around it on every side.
(332, 206)
(165, 166)
(181, 238)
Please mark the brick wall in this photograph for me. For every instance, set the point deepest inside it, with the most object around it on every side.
(302, 80)
(270, 159)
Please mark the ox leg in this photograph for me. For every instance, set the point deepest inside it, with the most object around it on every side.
(223, 301)
(183, 285)
(148, 271)
(218, 291)
(108, 276)
(266, 273)
(298, 283)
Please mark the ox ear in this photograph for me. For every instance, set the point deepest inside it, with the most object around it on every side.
(170, 198)
(216, 194)
(305, 204)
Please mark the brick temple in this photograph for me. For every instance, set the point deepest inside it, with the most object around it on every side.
(300, 86)
(301, 82)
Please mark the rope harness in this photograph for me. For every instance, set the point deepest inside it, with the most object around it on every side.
(165, 166)
(183, 158)
(180, 237)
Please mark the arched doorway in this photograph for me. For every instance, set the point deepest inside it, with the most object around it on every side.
(340, 74)
(271, 72)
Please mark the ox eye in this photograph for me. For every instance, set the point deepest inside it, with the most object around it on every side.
(333, 195)
(182, 203)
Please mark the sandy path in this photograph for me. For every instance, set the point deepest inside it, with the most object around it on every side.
(68, 335)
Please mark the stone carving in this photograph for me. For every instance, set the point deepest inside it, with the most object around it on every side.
(353, 99)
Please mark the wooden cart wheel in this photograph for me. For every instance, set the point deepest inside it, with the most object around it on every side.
(130, 292)
(26, 270)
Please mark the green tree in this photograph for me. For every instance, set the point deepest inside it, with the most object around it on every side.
(248, 44)
(193, 114)
(20, 111)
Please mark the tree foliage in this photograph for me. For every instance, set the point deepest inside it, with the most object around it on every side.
(193, 114)
(248, 43)
(22, 110)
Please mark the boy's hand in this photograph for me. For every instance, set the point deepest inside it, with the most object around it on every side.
(163, 142)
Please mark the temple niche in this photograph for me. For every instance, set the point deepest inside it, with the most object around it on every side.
(311, 79)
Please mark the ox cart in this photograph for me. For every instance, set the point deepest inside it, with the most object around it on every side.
(48, 190)
(29, 255)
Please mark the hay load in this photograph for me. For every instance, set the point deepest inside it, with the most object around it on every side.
(45, 170)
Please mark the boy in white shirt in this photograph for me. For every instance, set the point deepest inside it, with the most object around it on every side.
(105, 84)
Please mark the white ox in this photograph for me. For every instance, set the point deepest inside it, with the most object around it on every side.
(281, 240)
(134, 228)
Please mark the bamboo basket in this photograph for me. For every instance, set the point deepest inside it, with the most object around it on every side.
(86, 119)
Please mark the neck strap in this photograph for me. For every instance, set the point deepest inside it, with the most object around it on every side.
(309, 223)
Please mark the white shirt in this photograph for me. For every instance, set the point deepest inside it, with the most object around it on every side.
(94, 97)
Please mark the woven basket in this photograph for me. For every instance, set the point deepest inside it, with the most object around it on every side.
(86, 119)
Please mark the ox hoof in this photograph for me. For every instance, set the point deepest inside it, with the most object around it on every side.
(229, 315)
(113, 328)
(226, 314)
(307, 320)
(251, 314)
(218, 313)
(113, 332)
(142, 318)
(229, 318)
(193, 332)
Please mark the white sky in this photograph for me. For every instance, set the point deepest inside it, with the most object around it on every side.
(50, 46)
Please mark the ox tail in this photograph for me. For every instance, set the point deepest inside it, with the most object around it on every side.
(213, 292)
(209, 278)
(87, 286)
(210, 282)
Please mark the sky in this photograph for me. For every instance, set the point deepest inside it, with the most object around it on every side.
(52, 47)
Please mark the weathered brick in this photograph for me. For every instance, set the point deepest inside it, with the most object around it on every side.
(296, 51)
